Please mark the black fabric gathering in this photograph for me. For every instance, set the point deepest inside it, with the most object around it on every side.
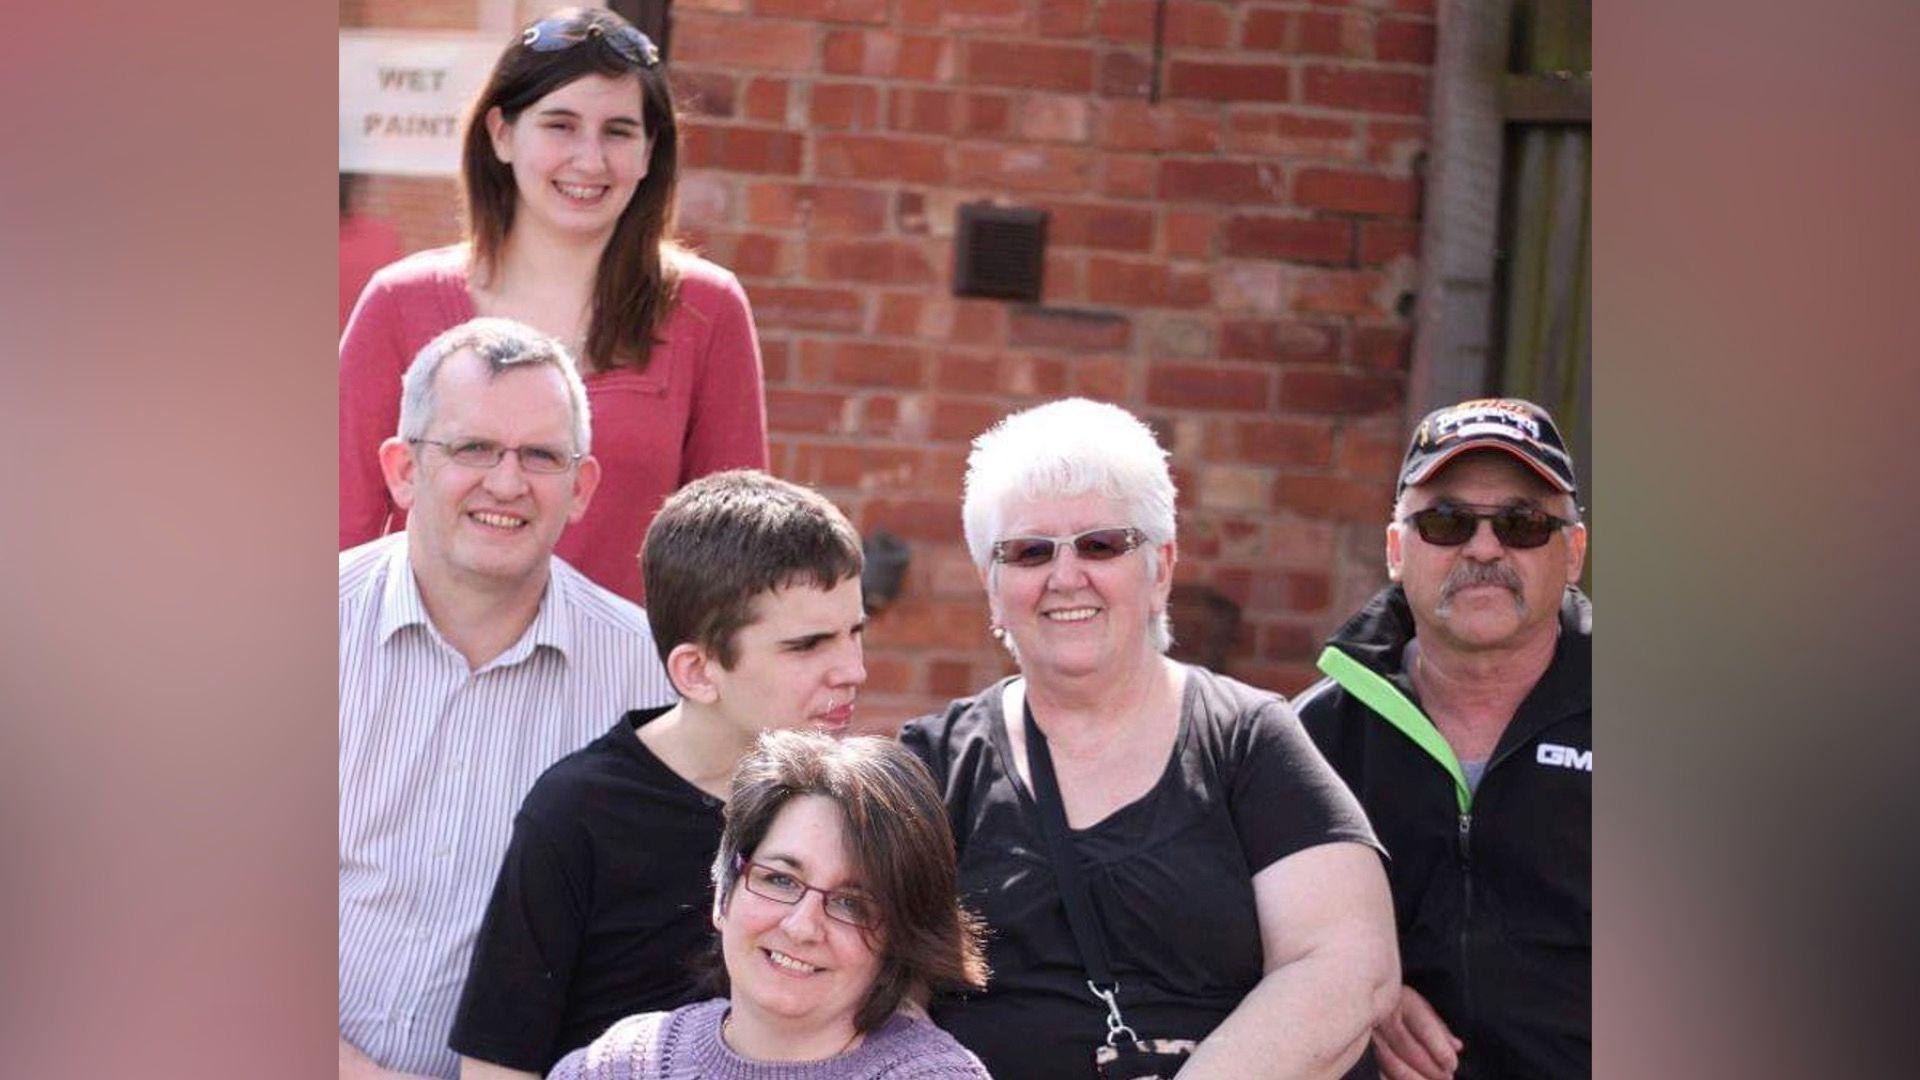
(601, 909)
(1171, 874)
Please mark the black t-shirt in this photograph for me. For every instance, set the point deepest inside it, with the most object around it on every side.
(601, 905)
(1171, 875)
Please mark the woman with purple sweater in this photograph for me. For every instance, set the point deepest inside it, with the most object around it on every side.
(838, 915)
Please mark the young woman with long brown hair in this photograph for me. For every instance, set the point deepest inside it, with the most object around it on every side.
(569, 164)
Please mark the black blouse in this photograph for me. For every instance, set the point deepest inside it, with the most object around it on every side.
(1171, 874)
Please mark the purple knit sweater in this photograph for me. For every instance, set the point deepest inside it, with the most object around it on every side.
(685, 1045)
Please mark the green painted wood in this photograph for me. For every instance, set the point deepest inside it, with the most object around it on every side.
(1552, 35)
(1552, 98)
(1546, 341)
(1545, 330)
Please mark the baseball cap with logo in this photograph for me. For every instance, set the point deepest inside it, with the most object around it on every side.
(1518, 427)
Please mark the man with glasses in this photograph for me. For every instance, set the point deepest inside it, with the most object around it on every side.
(1458, 706)
(604, 899)
(471, 659)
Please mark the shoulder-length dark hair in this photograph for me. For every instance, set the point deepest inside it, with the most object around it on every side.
(635, 284)
(898, 840)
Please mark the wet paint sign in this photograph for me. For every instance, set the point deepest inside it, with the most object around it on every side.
(403, 96)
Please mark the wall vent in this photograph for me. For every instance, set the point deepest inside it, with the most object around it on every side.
(999, 251)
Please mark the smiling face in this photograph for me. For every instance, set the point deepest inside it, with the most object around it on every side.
(489, 529)
(797, 663)
(1073, 616)
(1482, 595)
(790, 966)
(577, 154)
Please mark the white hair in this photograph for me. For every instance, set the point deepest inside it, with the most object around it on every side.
(501, 344)
(1064, 449)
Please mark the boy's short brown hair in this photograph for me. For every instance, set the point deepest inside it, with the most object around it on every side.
(723, 540)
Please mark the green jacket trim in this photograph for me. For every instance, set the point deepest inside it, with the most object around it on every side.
(1384, 698)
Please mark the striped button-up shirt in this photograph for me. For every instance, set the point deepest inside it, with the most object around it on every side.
(434, 760)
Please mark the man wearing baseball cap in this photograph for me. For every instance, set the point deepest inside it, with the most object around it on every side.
(1458, 706)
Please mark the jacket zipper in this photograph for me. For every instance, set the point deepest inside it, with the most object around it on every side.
(1466, 917)
(1465, 836)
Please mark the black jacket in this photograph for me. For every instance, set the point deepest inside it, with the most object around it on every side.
(1492, 892)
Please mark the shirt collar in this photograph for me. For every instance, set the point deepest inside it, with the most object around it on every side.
(401, 606)
(550, 627)
(1378, 633)
(400, 602)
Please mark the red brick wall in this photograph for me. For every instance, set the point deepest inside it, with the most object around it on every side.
(1231, 263)
(425, 209)
(410, 14)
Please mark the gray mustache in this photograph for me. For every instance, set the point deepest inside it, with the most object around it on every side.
(1469, 574)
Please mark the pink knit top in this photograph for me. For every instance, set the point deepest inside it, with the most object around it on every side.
(699, 407)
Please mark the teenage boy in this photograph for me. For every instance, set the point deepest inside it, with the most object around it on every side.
(753, 592)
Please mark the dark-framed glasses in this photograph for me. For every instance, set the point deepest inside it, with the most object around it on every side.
(1094, 545)
(782, 887)
(1453, 524)
(482, 454)
(552, 35)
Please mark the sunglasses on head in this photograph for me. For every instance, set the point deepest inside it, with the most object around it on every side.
(1094, 545)
(552, 35)
(1453, 524)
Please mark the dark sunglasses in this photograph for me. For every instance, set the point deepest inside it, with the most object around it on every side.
(1453, 524)
(1094, 545)
(552, 35)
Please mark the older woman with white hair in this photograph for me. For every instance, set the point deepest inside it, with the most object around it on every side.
(1173, 877)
